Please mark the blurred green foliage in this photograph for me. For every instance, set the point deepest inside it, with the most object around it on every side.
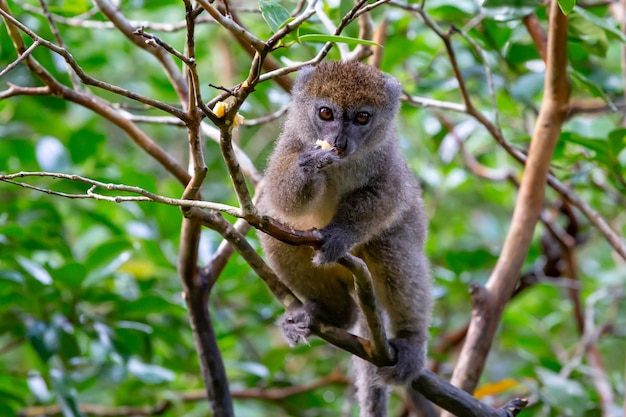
(90, 303)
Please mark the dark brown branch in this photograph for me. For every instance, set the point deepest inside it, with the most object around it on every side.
(217, 222)
(364, 289)
(196, 289)
(196, 293)
(234, 170)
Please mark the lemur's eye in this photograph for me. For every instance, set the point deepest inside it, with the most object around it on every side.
(362, 118)
(326, 114)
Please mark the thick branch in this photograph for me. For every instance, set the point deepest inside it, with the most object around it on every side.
(492, 299)
(196, 293)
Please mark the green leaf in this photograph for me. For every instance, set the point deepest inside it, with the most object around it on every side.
(616, 144)
(106, 259)
(567, 6)
(44, 339)
(81, 149)
(35, 270)
(314, 37)
(511, 3)
(66, 394)
(599, 146)
(451, 9)
(592, 88)
(274, 14)
(505, 10)
(149, 304)
(76, 6)
(602, 23)
(617, 141)
(13, 390)
(563, 392)
(70, 275)
(593, 38)
(150, 374)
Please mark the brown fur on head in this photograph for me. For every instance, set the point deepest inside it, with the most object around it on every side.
(347, 84)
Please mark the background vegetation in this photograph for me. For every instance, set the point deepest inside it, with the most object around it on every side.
(92, 317)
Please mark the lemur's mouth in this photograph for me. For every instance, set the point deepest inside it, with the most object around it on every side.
(341, 152)
(327, 146)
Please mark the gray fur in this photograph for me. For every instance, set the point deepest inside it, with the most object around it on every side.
(364, 199)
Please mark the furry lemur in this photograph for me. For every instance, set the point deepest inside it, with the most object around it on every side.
(336, 167)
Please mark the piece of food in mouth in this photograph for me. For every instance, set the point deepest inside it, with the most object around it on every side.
(325, 145)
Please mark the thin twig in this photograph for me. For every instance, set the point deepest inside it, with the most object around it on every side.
(232, 26)
(427, 102)
(267, 118)
(155, 40)
(146, 196)
(16, 90)
(22, 56)
(488, 75)
(57, 36)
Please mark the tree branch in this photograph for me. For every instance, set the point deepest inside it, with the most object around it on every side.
(490, 301)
